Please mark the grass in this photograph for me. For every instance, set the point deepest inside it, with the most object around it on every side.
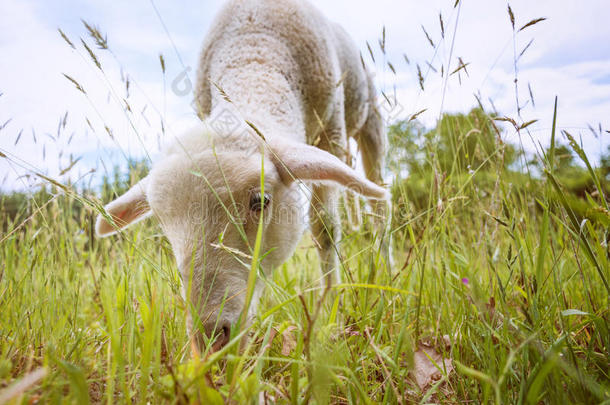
(508, 288)
(504, 292)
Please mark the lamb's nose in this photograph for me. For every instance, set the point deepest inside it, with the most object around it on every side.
(222, 336)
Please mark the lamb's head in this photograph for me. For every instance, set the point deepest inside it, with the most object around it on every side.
(210, 205)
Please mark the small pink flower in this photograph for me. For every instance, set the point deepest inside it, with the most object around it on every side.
(465, 281)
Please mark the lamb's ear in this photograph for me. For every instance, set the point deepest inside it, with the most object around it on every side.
(126, 210)
(308, 163)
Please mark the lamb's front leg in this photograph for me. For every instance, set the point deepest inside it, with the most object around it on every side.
(372, 142)
(326, 230)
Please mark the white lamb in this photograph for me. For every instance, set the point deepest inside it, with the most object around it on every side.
(280, 89)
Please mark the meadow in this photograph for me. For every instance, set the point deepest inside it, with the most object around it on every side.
(502, 279)
(498, 292)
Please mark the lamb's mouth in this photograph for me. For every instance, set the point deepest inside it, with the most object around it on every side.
(222, 338)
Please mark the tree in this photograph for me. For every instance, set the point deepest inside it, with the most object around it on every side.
(406, 148)
(467, 142)
(459, 143)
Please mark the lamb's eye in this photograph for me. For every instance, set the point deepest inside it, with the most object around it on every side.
(259, 202)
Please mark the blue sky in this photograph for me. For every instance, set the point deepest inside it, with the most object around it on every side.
(570, 58)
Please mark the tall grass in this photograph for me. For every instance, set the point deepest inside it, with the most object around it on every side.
(511, 289)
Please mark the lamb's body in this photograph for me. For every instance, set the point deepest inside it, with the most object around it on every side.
(278, 66)
(288, 70)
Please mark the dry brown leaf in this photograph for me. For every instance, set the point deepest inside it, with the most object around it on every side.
(272, 336)
(425, 371)
(288, 341)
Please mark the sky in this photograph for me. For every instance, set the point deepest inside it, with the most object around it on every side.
(568, 58)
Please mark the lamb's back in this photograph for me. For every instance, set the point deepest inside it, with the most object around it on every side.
(293, 36)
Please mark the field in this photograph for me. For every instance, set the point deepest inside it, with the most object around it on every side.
(507, 284)
(498, 292)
